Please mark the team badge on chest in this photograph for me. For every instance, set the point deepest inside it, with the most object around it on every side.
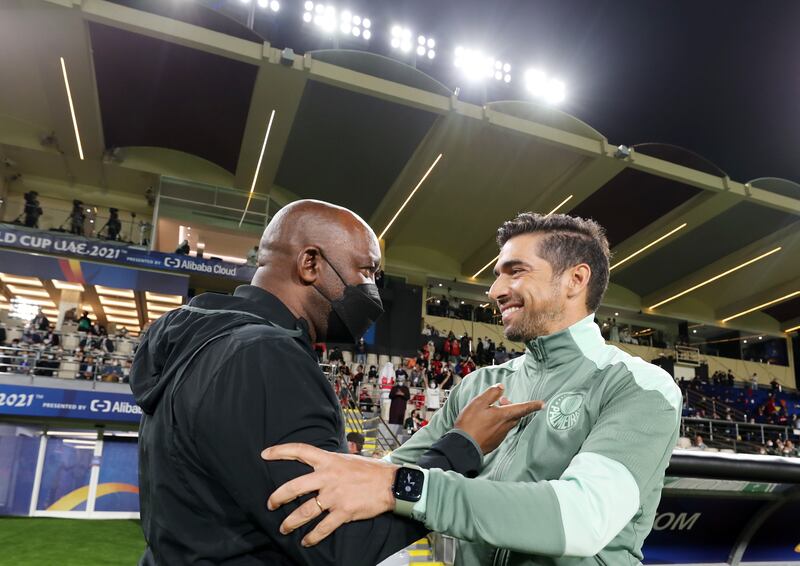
(564, 410)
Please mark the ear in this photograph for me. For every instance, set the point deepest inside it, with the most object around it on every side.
(578, 280)
(308, 265)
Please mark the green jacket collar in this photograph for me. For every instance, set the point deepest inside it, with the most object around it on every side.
(566, 345)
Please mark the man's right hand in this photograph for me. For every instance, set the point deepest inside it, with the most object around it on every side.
(488, 423)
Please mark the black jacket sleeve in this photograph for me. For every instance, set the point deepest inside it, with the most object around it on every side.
(266, 395)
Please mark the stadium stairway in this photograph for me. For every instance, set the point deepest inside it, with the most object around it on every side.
(418, 554)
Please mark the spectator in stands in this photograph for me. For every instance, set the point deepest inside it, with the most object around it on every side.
(480, 350)
(699, 443)
(335, 356)
(184, 248)
(355, 443)
(372, 375)
(319, 349)
(361, 352)
(432, 398)
(466, 346)
(446, 349)
(252, 256)
(729, 378)
(86, 369)
(754, 381)
(51, 339)
(775, 385)
(613, 331)
(415, 378)
(401, 373)
(40, 322)
(399, 396)
(84, 322)
(490, 350)
(427, 330)
(455, 350)
(358, 378)
(500, 354)
(414, 422)
(3, 335)
(365, 403)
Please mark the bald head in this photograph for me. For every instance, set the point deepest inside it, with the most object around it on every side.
(310, 251)
(314, 223)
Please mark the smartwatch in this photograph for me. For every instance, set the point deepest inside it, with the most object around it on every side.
(407, 488)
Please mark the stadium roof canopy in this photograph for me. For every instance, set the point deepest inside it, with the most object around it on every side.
(193, 97)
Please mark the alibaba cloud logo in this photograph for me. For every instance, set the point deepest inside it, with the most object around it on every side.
(172, 262)
(100, 406)
(74, 498)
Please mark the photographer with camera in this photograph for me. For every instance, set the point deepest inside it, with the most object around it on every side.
(32, 210)
(77, 217)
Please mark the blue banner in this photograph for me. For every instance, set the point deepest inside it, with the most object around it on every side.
(28, 401)
(87, 272)
(12, 236)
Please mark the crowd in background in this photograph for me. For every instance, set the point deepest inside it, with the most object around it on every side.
(40, 351)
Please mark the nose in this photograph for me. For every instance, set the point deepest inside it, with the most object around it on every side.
(499, 289)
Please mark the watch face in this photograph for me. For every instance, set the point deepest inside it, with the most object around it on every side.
(408, 484)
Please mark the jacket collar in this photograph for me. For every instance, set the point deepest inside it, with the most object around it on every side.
(270, 307)
(566, 345)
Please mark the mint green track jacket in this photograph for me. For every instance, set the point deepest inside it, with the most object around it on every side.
(578, 482)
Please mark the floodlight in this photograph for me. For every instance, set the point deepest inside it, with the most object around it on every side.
(425, 47)
(546, 88)
(325, 17)
(401, 38)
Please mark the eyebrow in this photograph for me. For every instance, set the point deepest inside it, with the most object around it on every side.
(510, 264)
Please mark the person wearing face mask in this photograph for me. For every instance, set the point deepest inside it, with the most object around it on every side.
(223, 377)
(399, 395)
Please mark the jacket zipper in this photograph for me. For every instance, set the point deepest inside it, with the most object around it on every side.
(502, 555)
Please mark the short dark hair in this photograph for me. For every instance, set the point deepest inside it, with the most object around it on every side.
(569, 241)
(357, 439)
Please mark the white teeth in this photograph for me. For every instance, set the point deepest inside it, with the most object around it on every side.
(512, 309)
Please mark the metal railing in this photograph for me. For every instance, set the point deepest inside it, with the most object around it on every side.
(38, 361)
(739, 436)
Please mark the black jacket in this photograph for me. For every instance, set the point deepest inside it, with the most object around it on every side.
(218, 382)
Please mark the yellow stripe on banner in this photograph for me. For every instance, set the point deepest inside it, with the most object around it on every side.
(78, 496)
(426, 552)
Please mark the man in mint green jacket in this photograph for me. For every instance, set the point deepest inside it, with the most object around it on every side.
(577, 483)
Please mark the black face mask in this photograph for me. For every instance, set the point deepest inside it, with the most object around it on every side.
(354, 312)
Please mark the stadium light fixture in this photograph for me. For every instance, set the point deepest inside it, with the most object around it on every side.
(110, 291)
(159, 307)
(20, 280)
(548, 89)
(106, 302)
(792, 329)
(476, 66)
(648, 246)
(426, 47)
(324, 16)
(72, 108)
(67, 286)
(399, 210)
(172, 299)
(28, 292)
(495, 258)
(762, 306)
(401, 39)
(258, 168)
(716, 277)
(272, 5)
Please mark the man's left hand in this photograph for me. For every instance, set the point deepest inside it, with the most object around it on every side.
(349, 488)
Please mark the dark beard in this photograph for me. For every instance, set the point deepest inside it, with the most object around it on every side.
(536, 324)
